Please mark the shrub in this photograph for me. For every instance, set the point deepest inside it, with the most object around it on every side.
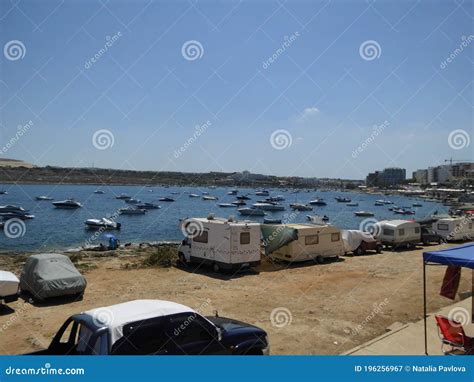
(164, 256)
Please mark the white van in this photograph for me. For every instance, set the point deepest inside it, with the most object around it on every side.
(222, 243)
(452, 229)
(397, 233)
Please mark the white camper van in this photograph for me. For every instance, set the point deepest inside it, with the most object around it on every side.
(398, 233)
(222, 243)
(312, 242)
(454, 228)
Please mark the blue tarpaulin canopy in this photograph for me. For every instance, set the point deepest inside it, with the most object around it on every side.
(459, 256)
(462, 256)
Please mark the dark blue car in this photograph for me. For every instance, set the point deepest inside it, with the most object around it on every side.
(147, 327)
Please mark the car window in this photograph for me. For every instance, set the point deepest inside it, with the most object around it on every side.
(142, 337)
(189, 328)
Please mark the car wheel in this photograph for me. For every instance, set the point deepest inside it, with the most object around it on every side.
(359, 251)
(425, 243)
(320, 259)
(216, 267)
(379, 248)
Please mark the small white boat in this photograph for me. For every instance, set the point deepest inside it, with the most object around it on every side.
(193, 195)
(132, 211)
(417, 205)
(11, 208)
(251, 212)
(67, 204)
(148, 206)
(278, 198)
(353, 204)
(232, 192)
(123, 197)
(363, 213)
(209, 197)
(319, 220)
(226, 205)
(166, 199)
(3, 192)
(102, 223)
(43, 198)
(301, 207)
(132, 201)
(16, 215)
(269, 206)
(262, 193)
(99, 192)
(379, 203)
(341, 199)
(318, 202)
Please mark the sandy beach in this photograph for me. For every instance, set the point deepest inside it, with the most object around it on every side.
(310, 309)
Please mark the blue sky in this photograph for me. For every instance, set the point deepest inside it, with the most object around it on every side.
(321, 89)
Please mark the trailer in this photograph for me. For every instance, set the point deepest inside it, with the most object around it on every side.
(398, 233)
(454, 228)
(302, 242)
(224, 244)
(9, 287)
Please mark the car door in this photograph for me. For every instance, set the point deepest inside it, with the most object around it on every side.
(192, 334)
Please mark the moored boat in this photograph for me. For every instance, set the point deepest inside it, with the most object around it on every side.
(67, 204)
(102, 223)
(363, 213)
(132, 211)
(43, 197)
(300, 207)
(251, 212)
(166, 199)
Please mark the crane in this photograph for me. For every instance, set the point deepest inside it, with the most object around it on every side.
(451, 160)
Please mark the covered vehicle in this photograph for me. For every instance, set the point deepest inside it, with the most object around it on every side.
(359, 242)
(51, 275)
(8, 287)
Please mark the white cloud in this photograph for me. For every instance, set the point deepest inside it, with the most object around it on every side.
(309, 112)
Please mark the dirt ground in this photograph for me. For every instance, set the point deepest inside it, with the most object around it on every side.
(310, 309)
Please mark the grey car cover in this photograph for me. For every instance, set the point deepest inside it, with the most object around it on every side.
(51, 275)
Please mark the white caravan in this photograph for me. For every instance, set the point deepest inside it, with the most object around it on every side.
(460, 228)
(222, 243)
(396, 233)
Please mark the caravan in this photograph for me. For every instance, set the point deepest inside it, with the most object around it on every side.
(222, 243)
(453, 229)
(302, 242)
(396, 233)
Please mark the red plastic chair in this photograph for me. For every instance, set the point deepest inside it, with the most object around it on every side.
(452, 333)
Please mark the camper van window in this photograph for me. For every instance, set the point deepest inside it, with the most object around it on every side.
(388, 232)
(202, 238)
(443, 227)
(417, 229)
(335, 236)
(311, 240)
(470, 225)
(245, 238)
(401, 232)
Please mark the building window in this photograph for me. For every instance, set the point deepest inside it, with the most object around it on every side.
(401, 232)
(335, 236)
(245, 238)
(311, 239)
(202, 237)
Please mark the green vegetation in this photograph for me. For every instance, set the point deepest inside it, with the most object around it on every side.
(164, 256)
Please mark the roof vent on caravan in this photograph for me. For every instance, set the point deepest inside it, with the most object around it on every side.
(210, 217)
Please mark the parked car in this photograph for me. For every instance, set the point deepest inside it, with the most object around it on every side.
(359, 242)
(155, 327)
(428, 236)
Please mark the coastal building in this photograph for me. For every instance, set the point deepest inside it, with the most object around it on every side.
(420, 176)
(390, 176)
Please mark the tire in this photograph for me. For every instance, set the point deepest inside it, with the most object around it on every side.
(425, 243)
(379, 248)
(181, 259)
(216, 268)
(359, 251)
(320, 259)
